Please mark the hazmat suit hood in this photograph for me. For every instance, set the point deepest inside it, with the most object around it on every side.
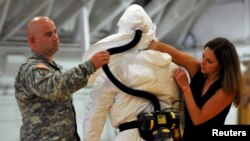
(133, 18)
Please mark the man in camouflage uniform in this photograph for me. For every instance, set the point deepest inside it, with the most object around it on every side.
(43, 92)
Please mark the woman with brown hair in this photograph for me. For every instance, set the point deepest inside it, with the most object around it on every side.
(216, 83)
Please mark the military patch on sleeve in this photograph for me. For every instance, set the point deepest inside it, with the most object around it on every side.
(42, 69)
(41, 72)
(42, 66)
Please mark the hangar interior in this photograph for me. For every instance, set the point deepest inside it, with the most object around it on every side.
(185, 24)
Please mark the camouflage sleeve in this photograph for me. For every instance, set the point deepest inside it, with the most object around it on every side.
(52, 84)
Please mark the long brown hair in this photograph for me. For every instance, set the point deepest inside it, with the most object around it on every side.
(230, 73)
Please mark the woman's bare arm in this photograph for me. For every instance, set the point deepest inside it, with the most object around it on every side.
(181, 58)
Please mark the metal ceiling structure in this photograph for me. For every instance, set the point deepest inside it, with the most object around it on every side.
(81, 23)
(186, 24)
(77, 19)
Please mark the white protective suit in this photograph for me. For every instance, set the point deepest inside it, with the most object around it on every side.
(146, 70)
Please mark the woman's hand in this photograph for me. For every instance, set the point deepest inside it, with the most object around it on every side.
(181, 78)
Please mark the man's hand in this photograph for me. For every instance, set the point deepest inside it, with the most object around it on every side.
(100, 58)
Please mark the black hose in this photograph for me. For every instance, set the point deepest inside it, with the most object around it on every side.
(124, 88)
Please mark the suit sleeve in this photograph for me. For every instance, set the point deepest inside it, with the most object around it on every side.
(101, 99)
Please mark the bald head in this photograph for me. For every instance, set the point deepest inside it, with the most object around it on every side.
(42, 36)
(35, 23)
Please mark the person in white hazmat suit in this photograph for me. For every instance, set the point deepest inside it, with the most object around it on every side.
(140, 69)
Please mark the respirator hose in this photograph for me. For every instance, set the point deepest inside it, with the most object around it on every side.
(121, 86)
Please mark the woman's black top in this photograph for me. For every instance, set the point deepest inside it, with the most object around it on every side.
(200, 132)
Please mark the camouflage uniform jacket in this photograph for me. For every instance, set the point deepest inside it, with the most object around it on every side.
(43, 94)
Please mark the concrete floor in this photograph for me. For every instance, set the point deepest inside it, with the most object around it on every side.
(10, 119)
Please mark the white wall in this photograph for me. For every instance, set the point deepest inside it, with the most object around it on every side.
(225, 18)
